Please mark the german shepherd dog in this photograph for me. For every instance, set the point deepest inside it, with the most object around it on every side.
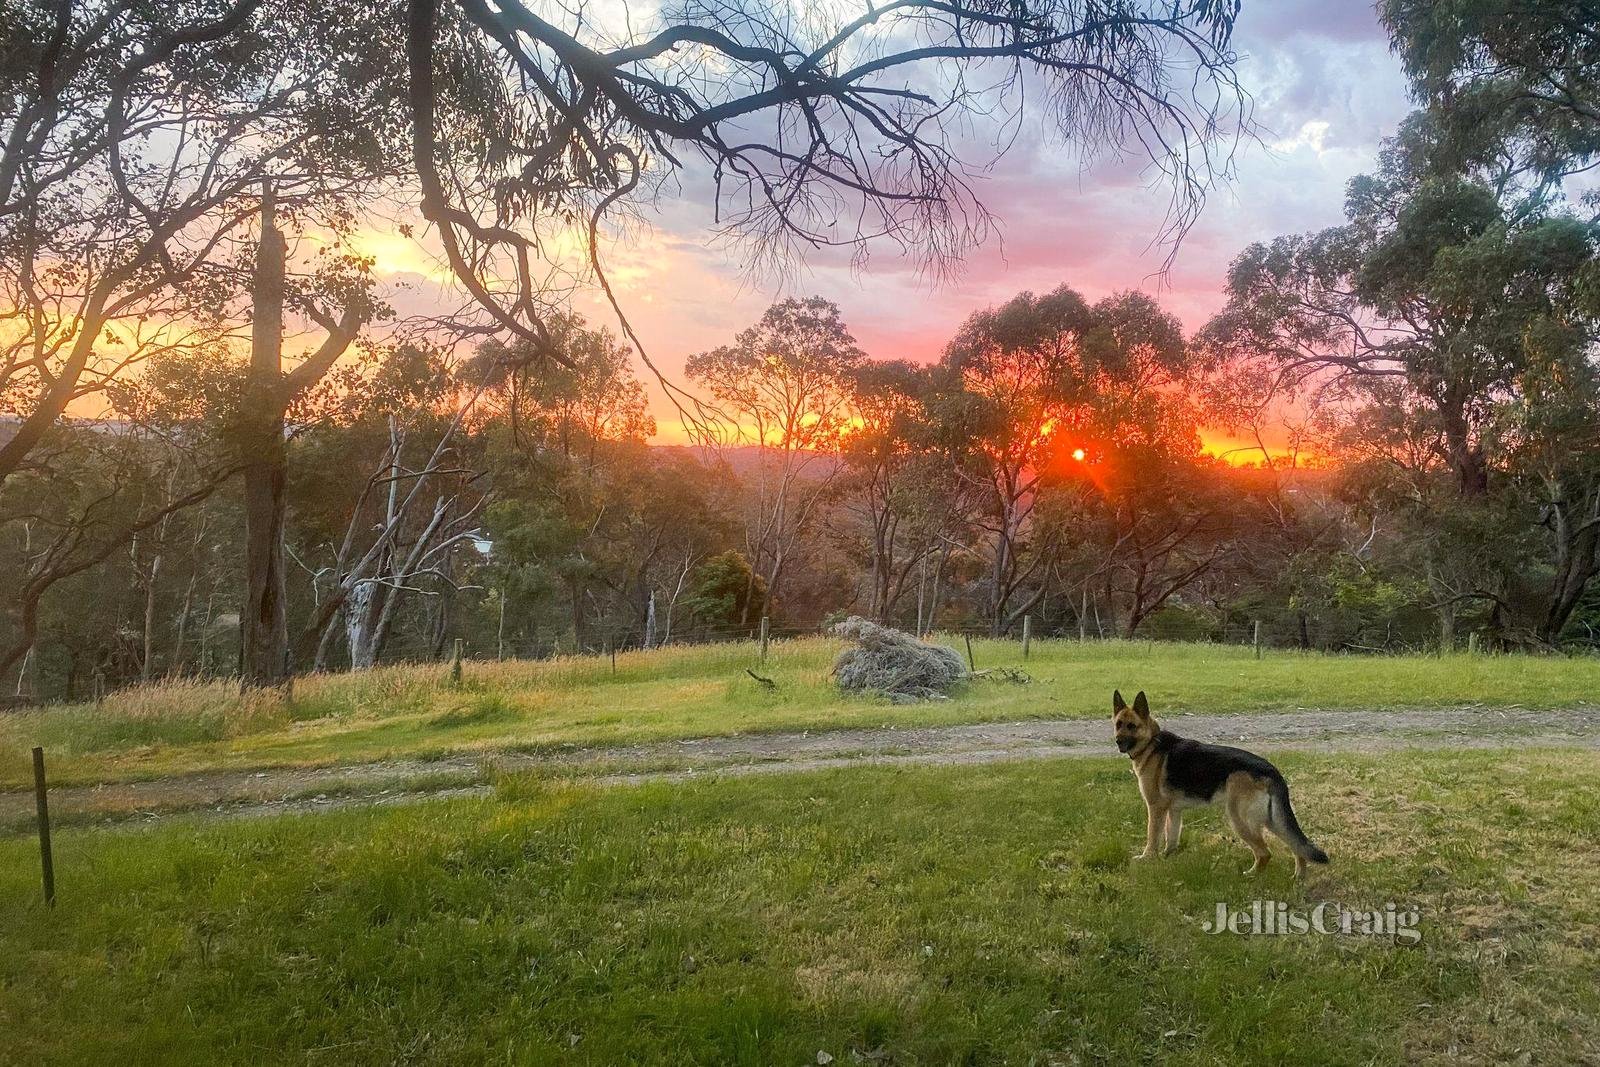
(1176, 773)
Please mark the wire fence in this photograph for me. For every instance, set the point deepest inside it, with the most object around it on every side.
(1261, 635)
(976, 641)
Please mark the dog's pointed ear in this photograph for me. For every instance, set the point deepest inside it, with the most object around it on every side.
(1117, 703)
(1141, 706)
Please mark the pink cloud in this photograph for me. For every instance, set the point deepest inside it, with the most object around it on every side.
(1326, 90)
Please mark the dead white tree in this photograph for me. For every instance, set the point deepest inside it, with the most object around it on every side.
(378, 561)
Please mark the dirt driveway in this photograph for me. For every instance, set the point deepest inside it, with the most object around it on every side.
(275, 790)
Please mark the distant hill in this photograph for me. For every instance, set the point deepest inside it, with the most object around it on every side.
(741, 459)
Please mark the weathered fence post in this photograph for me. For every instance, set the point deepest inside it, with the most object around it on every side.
(455, 661)
(972, 664)
(1027, 634)
(99, 687)
(42, 803)
(1257, 640)
(1472, 643)
(500, 630)
(766, 630)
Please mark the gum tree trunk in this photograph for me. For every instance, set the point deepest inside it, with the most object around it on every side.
(264, 627)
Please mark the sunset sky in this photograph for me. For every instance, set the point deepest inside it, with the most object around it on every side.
(1326, 88)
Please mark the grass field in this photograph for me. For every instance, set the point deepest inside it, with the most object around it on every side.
(690, 692)
(929, 915)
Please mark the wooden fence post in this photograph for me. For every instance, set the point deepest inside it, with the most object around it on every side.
(1472, 643)
(1257, 640)
(766, 630)
(972, 664)
(1027, 634)
(455, 661)
(500, 630)
(42, 803)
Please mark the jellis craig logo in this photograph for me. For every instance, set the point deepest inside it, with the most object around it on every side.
(1400, 923)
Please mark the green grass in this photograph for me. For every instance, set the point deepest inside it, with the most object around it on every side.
(689, 692)
(905, 916)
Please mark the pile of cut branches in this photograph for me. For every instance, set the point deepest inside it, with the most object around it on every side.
(894, 663)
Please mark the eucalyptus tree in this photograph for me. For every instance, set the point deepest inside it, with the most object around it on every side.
(135, 142)
(1421, 329)
(1016, 394)
(1513, 87)
(1513, 99)
(903, 500)
(1434, 288)
(783, 388)
(584, 507)
(1043, 389)
(387, 493)
(139, 146)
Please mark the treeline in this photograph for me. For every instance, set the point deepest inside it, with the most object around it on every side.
(174, 216)
(1049, 464)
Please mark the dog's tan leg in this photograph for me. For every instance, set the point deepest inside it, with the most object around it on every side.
(1241, 803)
(1153, 818)
(1174, 830)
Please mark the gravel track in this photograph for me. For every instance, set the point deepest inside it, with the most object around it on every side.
(278, 790)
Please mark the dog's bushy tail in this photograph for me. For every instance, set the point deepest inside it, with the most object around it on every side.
(1280, 815)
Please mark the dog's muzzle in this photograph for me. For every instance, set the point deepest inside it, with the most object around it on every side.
(1125, 744)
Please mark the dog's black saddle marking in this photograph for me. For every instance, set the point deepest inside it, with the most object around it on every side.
(1197, 769)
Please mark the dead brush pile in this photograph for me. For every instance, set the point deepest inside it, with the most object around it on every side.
(894, 663)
